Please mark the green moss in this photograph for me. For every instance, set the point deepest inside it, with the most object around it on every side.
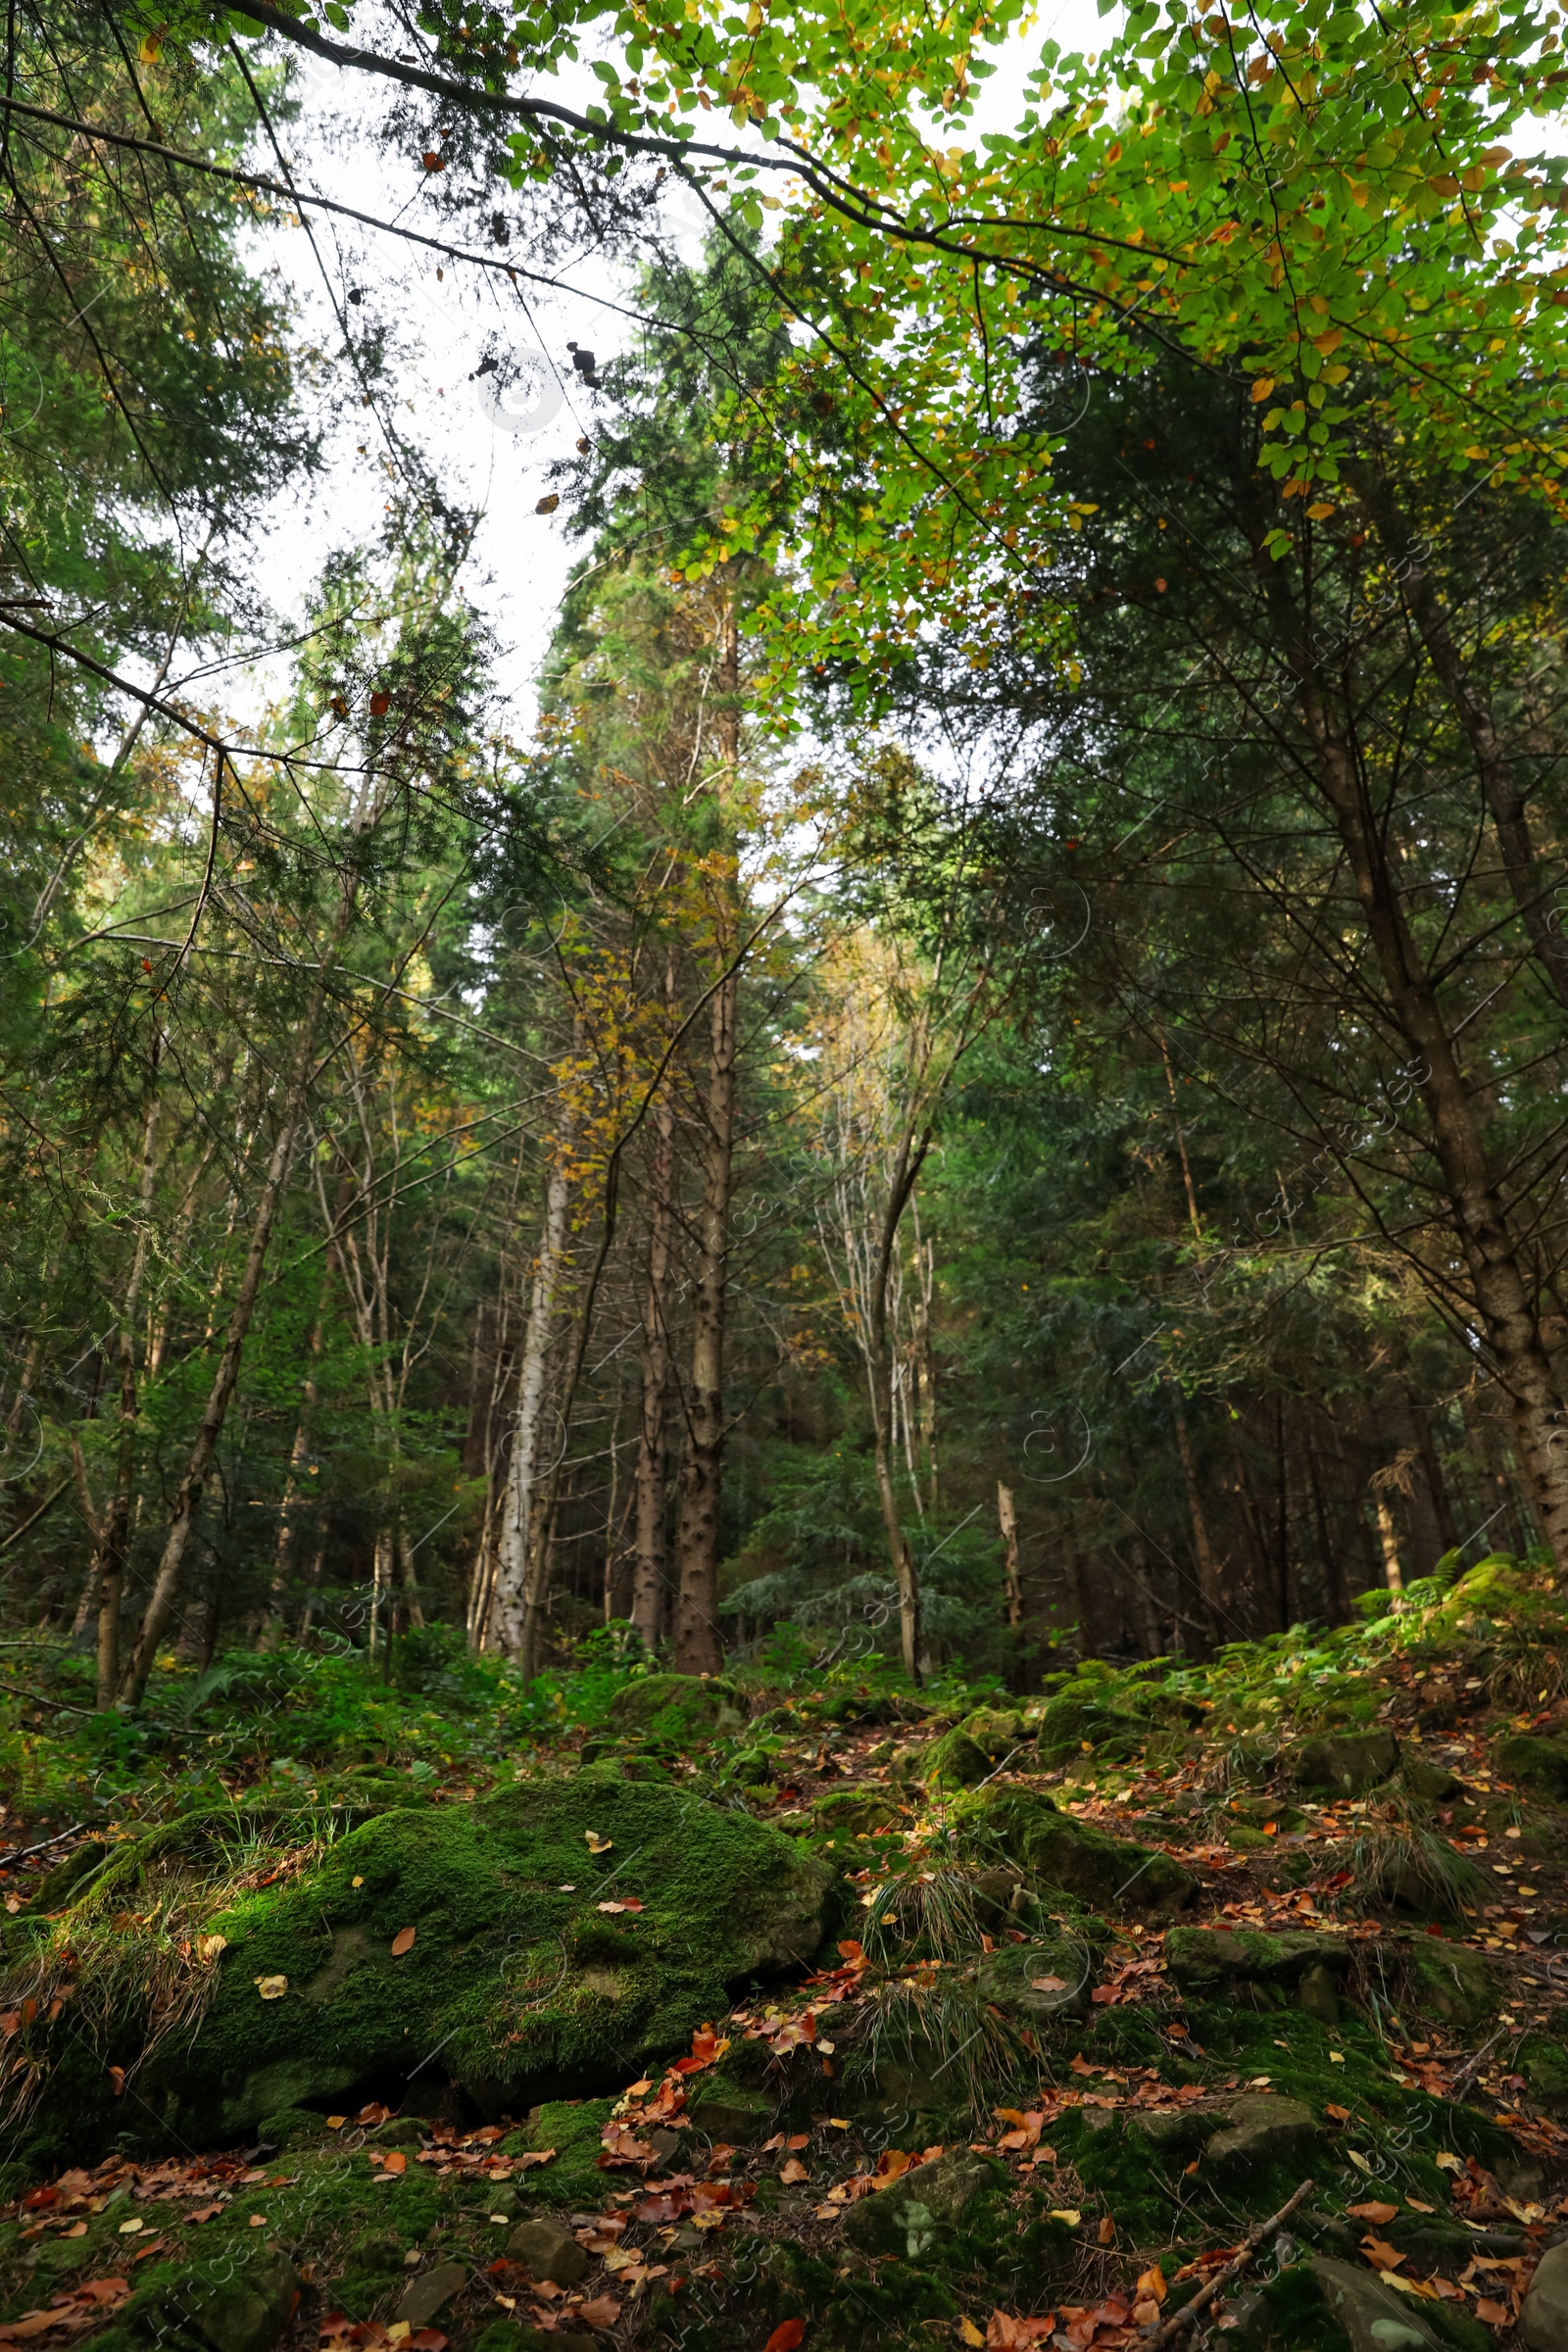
(1536, 1764)
(677, 1711)
(516, 1977)
(1449, 1983)
(1025, 1829)
(574, 2128)
(1543, 2064)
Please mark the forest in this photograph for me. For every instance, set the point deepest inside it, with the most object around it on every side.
(892, 1231)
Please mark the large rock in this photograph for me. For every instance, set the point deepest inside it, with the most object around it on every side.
(677, 1711)
(1350, 1762)
(1373, 2317)
(1263, 2130)
(517, 1985)
(906, 2218)
(1023, 1827)
(1203, 1959)
(249, 2312)
(1032, 1982)
(1540, 1765)
(1544, 2321)
(1450, 1982)
(432, 2291)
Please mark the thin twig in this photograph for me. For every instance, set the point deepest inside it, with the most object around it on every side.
(1233, 2269)
(1467, 2075)
(42, 1847)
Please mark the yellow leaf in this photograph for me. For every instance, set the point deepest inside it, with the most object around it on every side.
(272, 1989)
(970, 2333)
(1319, 512)
(596, 1843)
(1264, 387)
(1067, 2214)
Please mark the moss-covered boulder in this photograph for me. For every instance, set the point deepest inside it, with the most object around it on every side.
(551, 1939)
(1451, 1983)
(858, 1813)
(1544, 2063)
(1022, 1826)
(1536, 1764)
(955, 1761)
(1349, 1761)
(677, 1711)
(911, 2216)
(1201, 1960)
(1031, 1984)
(224, 2310)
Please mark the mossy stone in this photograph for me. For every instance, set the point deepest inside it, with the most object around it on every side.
(1374, 2319)
(1544, 2321)
(547, 2251)
(1537, 1764)
(246, 2313)
(1543, 2064)
(1449, 1983)
(290, 2127)
(739, 2116)
(574, 2128)
(677, 1711)
(1351, 1762)
(1434, 1784)
(1024, 1828)
(1263, 2131)
(1202, 1958)
(955, 1761)
(1017, 1979)
(500, 1894)
(908, 2218)
(857, 1812)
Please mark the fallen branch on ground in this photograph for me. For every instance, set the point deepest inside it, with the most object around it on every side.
(1233, 2269)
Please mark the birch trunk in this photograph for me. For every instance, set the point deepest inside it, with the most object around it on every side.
(512, 1591)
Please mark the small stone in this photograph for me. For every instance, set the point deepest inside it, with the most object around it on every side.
(1433, 1783)
(399, 2132)
(547, 2251)
(904, 2220)
(1452, 1985)
(432, 2293)
(1544, 2321)
(1173, 2131)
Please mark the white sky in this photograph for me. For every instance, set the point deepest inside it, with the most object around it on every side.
(487, 453)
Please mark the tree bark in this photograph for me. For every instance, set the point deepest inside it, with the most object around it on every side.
(651, 1477)
(511, 1595)
(1208, 1574)
(1531, 895)
(1007, 1518)
(1478, 1216)
(115, 1530)
(187, 1498)
(698, 1650)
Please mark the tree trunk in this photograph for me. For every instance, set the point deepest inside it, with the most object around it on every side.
(1532, 893)
(1389, 1542)
(511, 1595)
(188, 1495)
(651, 1479)
(698, 1650)
(1478, 1217)
(1208, 1574)
(1007, 1518)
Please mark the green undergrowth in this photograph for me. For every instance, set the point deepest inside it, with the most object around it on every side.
(915, 1908)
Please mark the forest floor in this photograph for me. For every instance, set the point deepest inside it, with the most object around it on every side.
(757, 2013)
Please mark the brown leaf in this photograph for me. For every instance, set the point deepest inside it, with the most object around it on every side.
(794, 2171)
(403, 1941)
(1048, 1984)
(1495, 2314)
(394, 2161)
(548, 505)
(603, 2312)
(1374, 2212)
(1107, 2230)
(785, 2337)
(1380, 2254)
(1152, 2285)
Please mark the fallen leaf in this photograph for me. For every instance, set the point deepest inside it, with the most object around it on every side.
(614, 1907)
(1416, 2206)
(204, 2212)
(1341, 2115)
(394, 2161)
(1042, 1985)
(428, 2339)
(1495, 2314)
(1376, 2212)
(794, 2171)
(603, 2312)
(207, 1947)
(970, 2333)
(1107, 2230)
(1380, 2254)
(1067, 2214)
(597, 1844)
(1358, 2160)
(403, 1941)
(272, 1989)
(131, 2228)
(356, 1881)
(1152, 2285)
(788, 2333)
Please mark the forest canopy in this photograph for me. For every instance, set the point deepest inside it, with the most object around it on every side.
(982, 1081)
